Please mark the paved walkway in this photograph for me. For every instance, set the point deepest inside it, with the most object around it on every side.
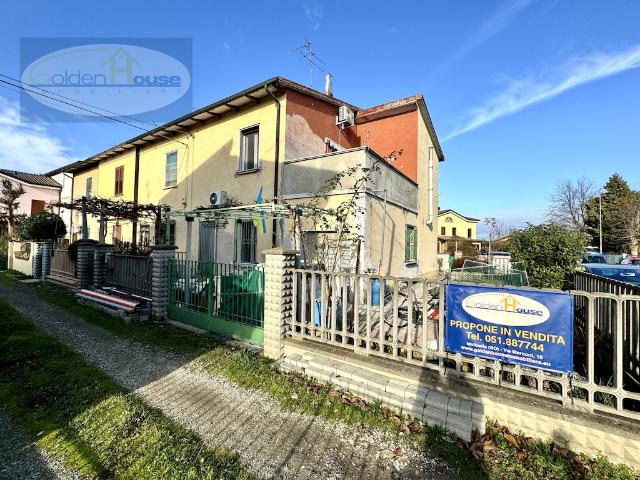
(273, 442)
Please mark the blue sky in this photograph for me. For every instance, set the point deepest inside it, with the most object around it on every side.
(523, 93)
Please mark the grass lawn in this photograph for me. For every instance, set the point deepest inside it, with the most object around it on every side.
(75, 411)
(527, 459)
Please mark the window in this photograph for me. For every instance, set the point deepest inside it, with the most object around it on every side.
(118, 188)
(249, 149)
(145, 234)
(448, 220)
(89, 187)
(454, 232)
(443, 230)
(410, 243)
(171, 170)
(468, 233)
(37, 206)
(246, 241)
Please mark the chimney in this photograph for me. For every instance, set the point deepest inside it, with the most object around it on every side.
(328, 80)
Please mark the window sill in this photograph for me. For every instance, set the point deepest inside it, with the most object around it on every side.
(169, 187)
(411, 263)
(246, 172)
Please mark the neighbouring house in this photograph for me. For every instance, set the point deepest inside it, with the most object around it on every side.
(455, 228)
(284, 140)
(40, 190)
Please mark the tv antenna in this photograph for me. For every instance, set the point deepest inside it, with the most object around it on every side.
(312, 59)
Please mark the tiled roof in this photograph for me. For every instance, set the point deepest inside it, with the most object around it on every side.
(31, 178)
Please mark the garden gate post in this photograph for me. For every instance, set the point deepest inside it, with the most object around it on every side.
(278, 298)
(84, 263)
(47, 250)
(36, 259)
(100, 264)
(160, 256)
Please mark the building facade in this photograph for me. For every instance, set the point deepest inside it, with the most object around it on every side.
(454, 228)
(246, 144)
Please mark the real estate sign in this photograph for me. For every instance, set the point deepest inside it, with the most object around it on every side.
(533, 328)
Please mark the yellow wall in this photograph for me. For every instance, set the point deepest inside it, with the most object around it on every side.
(208, 158)
(459, 223)
(427, 234)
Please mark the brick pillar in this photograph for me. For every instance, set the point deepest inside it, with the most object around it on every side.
(47, 251)
(278, 298)
(100, 264)
(160, 255)
(36, 259)
(86, 249)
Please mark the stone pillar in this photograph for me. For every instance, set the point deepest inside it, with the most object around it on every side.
(100, 264)
(84, 264)
(47, 251)
(278, 298)
(36, 259)
(160, 255)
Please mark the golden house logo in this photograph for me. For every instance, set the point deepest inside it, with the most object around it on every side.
(127, 79)
(505, 309)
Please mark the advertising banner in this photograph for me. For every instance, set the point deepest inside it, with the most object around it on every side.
(533, 328)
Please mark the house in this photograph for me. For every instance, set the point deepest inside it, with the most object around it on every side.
(40, 190)
(454, 227)
(282, 139)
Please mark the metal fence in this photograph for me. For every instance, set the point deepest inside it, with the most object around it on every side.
(61, 264)
(228, 291)
(131, 274)
(402, 319)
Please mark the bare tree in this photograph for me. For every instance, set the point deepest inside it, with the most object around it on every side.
(626, 225)
(568, 203)
(9, 203)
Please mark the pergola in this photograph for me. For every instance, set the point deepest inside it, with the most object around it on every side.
(107, 209)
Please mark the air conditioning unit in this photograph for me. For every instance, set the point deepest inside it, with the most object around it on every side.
(217, 198)
(345, 116)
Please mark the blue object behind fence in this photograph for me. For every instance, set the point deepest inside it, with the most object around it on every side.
(533, 328)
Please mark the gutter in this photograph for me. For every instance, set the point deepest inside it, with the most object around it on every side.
(276, 175)
(136, 181)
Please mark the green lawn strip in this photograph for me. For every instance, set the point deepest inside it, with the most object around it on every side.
(75, 411)
(297, 392)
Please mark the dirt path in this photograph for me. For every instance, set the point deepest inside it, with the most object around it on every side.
(273, 442)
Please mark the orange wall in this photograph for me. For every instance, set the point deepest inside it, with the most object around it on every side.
(395, 133)
(310, 121)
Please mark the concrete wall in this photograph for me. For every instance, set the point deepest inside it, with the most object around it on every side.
(22, 265)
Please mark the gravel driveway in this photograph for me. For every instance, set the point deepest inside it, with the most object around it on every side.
(273, 442)
(21, 459)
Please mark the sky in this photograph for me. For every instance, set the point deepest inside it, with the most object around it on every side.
(522, 93)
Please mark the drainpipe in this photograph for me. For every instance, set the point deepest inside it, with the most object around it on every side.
(430, 219)
(136, 178)
(276, 174)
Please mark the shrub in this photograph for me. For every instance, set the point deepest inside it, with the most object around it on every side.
(41, 226)
(549, 253)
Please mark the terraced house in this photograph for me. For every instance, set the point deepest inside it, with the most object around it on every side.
(284, 140)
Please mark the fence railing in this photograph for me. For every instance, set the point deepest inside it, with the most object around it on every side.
(402, 319)
(131, 274)
(229, 291)
(61, 264)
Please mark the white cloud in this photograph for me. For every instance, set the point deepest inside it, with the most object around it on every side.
(493, 25)
(28, 146)
(314, 14)
(522, 93)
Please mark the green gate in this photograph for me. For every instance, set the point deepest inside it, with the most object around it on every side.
(227, 299)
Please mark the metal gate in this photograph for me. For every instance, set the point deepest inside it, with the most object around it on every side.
(227, 299)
